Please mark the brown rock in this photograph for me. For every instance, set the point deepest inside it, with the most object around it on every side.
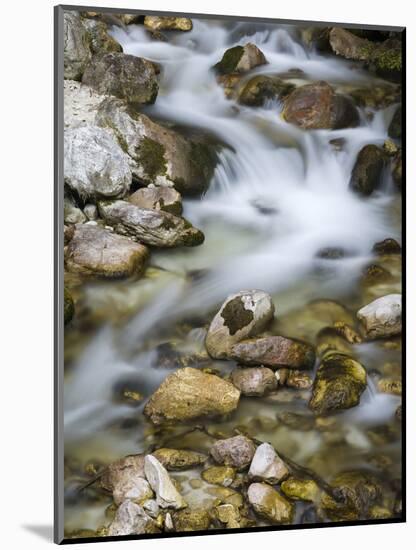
(158, 198)
(254, 381)
(235, 451)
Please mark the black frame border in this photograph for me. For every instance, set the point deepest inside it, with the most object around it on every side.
(59, 268)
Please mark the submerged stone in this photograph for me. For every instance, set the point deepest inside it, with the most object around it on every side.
(219, 475)
(254, 381)
(300, 489)
(339, 383)
(269, 504)
(261, 88)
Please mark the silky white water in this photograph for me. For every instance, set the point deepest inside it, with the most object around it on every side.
(279, 195)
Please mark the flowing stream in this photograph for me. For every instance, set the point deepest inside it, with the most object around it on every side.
(279, 195)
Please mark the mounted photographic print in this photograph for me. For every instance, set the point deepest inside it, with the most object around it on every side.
(229, 243)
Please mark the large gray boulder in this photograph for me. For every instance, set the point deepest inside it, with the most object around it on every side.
(94, 164)
(77, 53)
(99, 252)
(125, 76)
(80, 104)
(241, 315)
(158, 155)
(152, 227)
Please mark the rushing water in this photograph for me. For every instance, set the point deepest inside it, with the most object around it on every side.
(278, 195)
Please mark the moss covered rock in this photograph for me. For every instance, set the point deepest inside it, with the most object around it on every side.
(179, 459)
(159, 155)
(300, 489)
(317, 106)
(260, 88)
(125, 76)
(358, 490)
(240, 59)
(190, 393)
(219, 475)
(191, 520)
(165, 23)
(269, 504)
(368, 167)
(339, 383)
(100, 40)
(153, 227)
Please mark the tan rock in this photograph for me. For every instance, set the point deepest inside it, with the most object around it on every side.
(189, 393)
(269, 504)
(179, 459)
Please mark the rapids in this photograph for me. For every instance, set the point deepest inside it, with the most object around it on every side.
(278, 195)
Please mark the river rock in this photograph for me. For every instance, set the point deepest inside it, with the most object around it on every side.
(191, 520)
(261, 87)
(300, 489)
(339, 383)
(190, 393)
(125, 76)
(99, 252)
(69, 308)
(240, 59)
(94, 164)
(360, 490)
(274, 351)
(80, 104)
(152, 227)
(158, 198)
(382, 317)
(91, 211)
(219, 475)
(77, 53)
(237, 451)
(269, 504)
(228, 515)
(130, 519)
(179, 459)
(387, 246)
(242, 315)
(165, 23)
(368, 167)
(254, 381)
(298, 380)
(133, 488)
(267, 465)
(349, 45)
(122, 470)
(316, 37)
(158, 155)
(72, 214)
(395, 126)
(396, 169)
(316, 106)
(100, 40)
(167, 495)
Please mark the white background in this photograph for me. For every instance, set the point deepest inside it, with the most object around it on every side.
(26, 289)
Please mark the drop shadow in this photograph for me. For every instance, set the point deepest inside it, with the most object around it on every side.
(44, 532)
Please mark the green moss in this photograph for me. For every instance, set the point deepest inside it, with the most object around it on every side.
(203, 160)
(229, 61)
(151, 156)
(236, 316)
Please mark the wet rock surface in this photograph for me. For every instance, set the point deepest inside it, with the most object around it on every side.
(267, 465)
(316, 106)
(167, 495)
(241, 315)
(382, 317)
(274, 351)
(366, 174)
(240, 59)
(235, 451)
(190, 393)
(254, 381)
(152, 227)
(164, 23)
(99, 252)
(270, 504)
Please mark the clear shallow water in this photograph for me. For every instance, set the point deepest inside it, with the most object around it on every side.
(278, 196)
